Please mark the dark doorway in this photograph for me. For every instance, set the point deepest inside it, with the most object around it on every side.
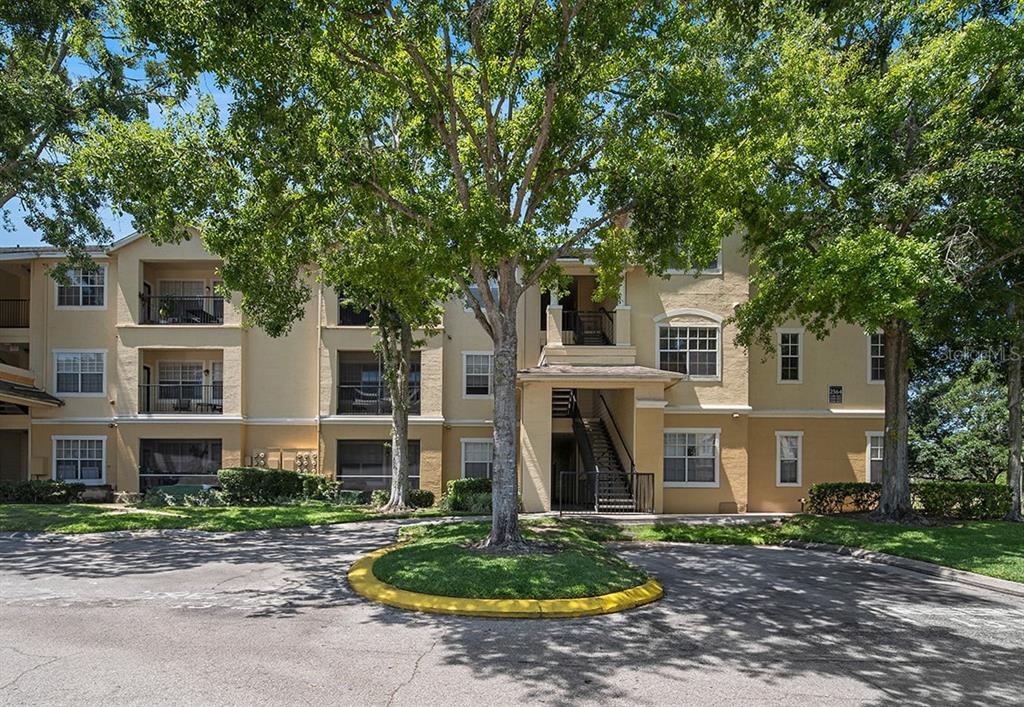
(563, 458)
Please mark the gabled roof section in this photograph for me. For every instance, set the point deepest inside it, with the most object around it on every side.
(27, 395)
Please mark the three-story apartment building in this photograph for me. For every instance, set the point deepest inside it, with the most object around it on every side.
(139, 374)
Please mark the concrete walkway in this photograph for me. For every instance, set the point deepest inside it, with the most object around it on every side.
(267, 618)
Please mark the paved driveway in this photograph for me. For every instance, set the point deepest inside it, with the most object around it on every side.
(267, 618)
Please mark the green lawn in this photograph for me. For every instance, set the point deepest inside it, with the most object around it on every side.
(993, 548)
(440, 559)
(91, 518)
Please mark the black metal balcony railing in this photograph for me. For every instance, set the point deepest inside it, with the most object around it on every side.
(181, 398)
(13, 313)
(181, 309)
(594, 328)
(372, 399)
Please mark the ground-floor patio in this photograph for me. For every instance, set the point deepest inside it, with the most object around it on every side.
(268, 618)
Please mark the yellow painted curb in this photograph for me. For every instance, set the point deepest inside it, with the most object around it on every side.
(363, 581)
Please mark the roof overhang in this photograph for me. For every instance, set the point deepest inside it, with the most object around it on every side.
(20, 394)
(627, 375)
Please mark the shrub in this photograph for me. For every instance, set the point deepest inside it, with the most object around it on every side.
(255, 486)
(350, 497)
(463, 493)
(421, 498)
(319, 488)
(838, 497)
(41, 491)
(380, 497)
(183, 495)
(962, 499)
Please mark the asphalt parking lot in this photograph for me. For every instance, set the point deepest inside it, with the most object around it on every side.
(268, 618)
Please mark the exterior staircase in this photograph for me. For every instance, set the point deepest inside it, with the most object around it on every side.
(614, 494)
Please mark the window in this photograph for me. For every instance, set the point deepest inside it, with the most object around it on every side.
(876, 358)
(474, 291)
(477, 458)
(692, 350)
(181, 380)
(691, 457)
(712, 268)
(362, 389)
(788, 458)
(217, 378)
(81, 372)
(875, 451)
(84, 288)
(366, 464)
(790, 356)
(478, 369)
(350, 315)
(81, 460)
(166, 462)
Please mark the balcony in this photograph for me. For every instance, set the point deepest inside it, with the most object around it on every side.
(593, 328)
(181, 399)
(181, 309)
(373, 399)
(13, 313)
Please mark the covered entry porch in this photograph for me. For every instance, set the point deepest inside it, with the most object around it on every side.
(591, 437)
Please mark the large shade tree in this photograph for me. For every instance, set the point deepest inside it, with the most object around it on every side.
(509, 132)
(866, 128)
(64, 65)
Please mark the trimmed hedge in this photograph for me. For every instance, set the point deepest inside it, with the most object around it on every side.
(41, 491)
(257, 486)
(469, 495)
(418, 498)
(941, 499)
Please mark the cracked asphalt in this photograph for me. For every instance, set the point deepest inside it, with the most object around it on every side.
(267, 618)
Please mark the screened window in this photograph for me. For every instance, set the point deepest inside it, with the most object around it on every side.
(789, 356)
(79, 459)
(80, 372)
(789, 459)
(85, 288)
(691, 457)
(876, 353)
(350, 315)
(477, 458)
(366, 464)
(181, 380)
(478, 370)
(166, 462)
(875, 447)
(692, 350)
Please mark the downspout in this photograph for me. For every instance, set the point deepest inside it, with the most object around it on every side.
(320, 314)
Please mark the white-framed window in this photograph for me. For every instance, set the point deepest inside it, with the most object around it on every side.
(217, 381)
(789, 456)
(690, 349)
(712, 268)
(85, 289)
(876, 358)
(80, 460)
(180, 380)
(692, 457)
(477, 373)
(791, 344)
(474, 291)
(80, 372)
(477, 458)
(875, 451)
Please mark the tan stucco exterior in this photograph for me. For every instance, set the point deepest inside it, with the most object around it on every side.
(279, 398)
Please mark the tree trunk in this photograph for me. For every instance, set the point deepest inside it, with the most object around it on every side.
(1013, 379)
(895, 504)
(396, 350)
(505, 535)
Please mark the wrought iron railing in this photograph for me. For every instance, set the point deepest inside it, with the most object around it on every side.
(373, 399)
(181, 399)
(13, 313)
(599, 492)
(181, 309)
(593, 328)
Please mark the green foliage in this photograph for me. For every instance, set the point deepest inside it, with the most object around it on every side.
(467, 495)
(964, 500)
(256, 486)
(66, 66)
(839, 497)
(40, 491)
(959, 424)
(379, 497)
(350, 497)
(421, 498)
(183, 495)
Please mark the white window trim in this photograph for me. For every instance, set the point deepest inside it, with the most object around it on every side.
(703, 271)
(103, 465)
(799, 331)
(717, 431)
(867, 452)
(870, 380)
(713, 323)
(101, 394)
(490, 385)
(779, 434)
(80, 307)
(462, 450)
